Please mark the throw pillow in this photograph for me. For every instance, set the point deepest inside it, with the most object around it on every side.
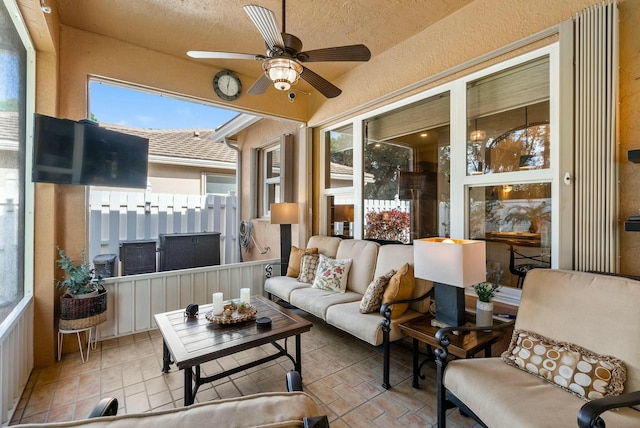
(332, 274)
(372, 299)
(400, 288)
(295, 259)
(308, 267)
(579, 371)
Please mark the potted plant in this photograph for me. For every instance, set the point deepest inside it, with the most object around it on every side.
(84, 302)
(81, 279)
(484, 307)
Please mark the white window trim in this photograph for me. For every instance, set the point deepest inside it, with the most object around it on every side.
(266, 181)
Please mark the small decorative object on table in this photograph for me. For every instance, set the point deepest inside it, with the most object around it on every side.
(233, 312)
(484, 307)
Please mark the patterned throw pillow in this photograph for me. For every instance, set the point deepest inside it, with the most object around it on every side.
(332, 274)
(308, 267)
(581, 372)
(400, 288)
(295, 259)
(372, 299)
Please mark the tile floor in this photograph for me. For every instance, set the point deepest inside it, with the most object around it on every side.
(343, 374)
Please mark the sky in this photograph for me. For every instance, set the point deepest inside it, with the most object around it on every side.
(127, 107)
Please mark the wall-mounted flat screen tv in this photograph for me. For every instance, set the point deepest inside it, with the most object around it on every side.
(70, 152)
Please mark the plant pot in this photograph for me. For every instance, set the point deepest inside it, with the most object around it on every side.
(484, 314)
(77, 312)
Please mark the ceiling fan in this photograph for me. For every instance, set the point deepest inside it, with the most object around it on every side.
(282, 63)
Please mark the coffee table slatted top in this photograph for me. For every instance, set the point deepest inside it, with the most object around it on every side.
(193, 341)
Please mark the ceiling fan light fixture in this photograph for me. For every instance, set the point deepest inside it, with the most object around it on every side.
(283, 72)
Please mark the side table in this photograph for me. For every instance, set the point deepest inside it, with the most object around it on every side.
(462, 346)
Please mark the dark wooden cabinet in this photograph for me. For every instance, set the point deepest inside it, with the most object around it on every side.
(189, 250)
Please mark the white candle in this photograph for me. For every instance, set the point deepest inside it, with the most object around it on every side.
(218, 307)
(245, 295)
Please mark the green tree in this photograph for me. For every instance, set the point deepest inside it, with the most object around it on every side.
(10, 104)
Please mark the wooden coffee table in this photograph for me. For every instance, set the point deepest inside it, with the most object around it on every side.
(190, 342)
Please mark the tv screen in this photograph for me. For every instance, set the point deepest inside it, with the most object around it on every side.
(69, 152)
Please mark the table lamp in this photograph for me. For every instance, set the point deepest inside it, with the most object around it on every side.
(452, 265)
(344, 214)
(285, 214)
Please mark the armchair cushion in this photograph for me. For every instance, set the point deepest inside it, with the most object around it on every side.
(579, 371)
(295, 259)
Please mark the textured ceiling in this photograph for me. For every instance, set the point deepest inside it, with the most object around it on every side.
(176, 26)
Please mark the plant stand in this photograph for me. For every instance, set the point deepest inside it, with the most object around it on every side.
(91, 344)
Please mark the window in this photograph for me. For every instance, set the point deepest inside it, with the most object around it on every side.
(476, 157)
(271, 177)
(340, 143)
(15, 118)
(219, 184)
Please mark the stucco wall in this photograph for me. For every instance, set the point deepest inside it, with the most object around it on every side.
(480, 27)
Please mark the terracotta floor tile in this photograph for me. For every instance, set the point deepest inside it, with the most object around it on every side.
(137, 403)
(62, 413)
(39, 400)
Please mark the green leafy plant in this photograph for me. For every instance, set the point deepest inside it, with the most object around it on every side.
(80, 278)
(486, 291)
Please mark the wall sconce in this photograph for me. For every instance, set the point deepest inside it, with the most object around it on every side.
(477, 135)
(507, 188)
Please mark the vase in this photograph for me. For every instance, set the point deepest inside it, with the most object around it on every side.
(484, 314)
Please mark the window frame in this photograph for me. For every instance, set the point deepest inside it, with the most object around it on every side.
(460, 181)
(29, 187)
(268, 181)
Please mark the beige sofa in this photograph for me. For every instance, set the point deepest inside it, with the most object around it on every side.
(370, 260)
(598, 313)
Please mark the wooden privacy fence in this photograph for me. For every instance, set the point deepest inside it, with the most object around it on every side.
(116, 216)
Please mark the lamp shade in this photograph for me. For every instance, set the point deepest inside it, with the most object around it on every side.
(343, 213)
(457, 262)
(285, 213)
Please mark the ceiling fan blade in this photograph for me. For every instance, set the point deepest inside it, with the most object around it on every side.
(260, 86)
(224, 55)
(325, 87)
(265, 21)
(339, 53)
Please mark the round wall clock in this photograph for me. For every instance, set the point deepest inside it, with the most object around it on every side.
(227, 85)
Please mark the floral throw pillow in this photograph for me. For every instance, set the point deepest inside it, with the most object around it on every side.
(308, 267)
(372, 299)
(332, 274)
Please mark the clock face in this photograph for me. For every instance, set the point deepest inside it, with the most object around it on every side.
(227, 85)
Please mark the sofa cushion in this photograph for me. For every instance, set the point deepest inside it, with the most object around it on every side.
(392, 257)
(308, 267)
(568, 306)
(364, 255)
(367, 327)
(581, 372)
(372, 299)
(316, 301)
(332, 274)
(271, 409)
(282, 286)
(499, 394)
(327, 245)
(295, 259)
(400, 288)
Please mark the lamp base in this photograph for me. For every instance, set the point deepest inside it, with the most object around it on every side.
(285, 247)
(449, 304)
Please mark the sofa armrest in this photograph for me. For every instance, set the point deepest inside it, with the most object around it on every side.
(385, 311)
(589, 414)
(268, 269)
(442, 336)
(105, 407)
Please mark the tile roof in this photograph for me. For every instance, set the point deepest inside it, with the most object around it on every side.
(181, 143)
(9, 125)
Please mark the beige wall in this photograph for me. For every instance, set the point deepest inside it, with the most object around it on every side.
(64, 64)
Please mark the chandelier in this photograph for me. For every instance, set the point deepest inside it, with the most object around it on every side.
(283, 72)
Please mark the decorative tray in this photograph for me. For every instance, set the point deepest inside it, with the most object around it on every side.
(232, 315)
